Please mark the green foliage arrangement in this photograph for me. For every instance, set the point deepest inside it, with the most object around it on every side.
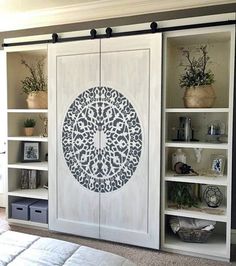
(196, 72)
(29, 122)
(36, 81)
(181, 194)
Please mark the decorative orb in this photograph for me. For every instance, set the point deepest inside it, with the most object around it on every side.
(213, 196)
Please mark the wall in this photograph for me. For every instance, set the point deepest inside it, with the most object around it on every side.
(121, 21)
(134, 20)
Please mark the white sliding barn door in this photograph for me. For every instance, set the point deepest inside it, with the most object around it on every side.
(104, 138)
(131, 66)
(73, 68)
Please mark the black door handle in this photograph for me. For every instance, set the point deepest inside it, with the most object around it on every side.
(3, 152)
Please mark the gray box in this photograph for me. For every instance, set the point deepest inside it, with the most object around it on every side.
(39, 211)
(20, 209)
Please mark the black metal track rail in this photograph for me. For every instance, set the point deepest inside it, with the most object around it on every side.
(109, 34)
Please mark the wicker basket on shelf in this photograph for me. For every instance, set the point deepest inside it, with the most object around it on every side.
(194, 235)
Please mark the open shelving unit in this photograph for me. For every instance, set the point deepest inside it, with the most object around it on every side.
(220, 46)
(27, 223)
(17, 112)
(199, 213)
(28, 138)
(196, 110)
(43, 166)
(200, 179)
(39, 193)
(30, 111)
(216, 242)
(203, 145)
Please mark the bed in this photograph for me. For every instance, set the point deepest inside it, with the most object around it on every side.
(18, 249)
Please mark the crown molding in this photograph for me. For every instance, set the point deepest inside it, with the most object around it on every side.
(96, 10)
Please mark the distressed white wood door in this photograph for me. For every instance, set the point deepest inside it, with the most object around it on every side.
(131, 66)
(104, 138)
(73, 68)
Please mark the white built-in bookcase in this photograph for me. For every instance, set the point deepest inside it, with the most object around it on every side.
(220, 43)
(17, 112)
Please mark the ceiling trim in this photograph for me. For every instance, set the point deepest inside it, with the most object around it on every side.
(97, 10)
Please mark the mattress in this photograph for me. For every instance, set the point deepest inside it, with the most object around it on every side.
(18, 249)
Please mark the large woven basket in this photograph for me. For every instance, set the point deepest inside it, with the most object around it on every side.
(199, 97)
(194, 235)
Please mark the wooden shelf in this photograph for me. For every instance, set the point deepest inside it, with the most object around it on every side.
(27, 223)
(208, 180)
(27, 110)
(197, 110)
(215, 246)
(198, 214)
(31, 138)
(31, 166)
(39, 193)
(197, 144)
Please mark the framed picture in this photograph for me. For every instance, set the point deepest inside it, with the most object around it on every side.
(217, 164)
(31, 151)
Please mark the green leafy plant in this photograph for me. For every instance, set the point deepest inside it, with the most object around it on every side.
(182, 195)
(36, 81)
(196, 72)
(29, 122)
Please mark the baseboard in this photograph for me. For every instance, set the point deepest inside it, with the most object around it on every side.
(233, 236)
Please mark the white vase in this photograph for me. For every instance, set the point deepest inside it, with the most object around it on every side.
(178, 156)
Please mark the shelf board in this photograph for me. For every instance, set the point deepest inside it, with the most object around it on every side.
(197, 110)
(28, 138)
(26, 223)
(208, 180)
(39, 193)
(215, 246)
(31, 166)
(27, 110)
(197, 144)
(193, 213)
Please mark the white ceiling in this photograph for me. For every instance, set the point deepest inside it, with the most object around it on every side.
(11, 6)
(21, 14)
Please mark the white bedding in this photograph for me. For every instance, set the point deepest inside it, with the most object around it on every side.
(18, 249)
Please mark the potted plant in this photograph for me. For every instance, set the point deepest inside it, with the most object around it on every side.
(181, 195)
(197, 80)
(35, 85)
(29, 125)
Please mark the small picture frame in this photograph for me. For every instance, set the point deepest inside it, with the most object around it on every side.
(217, 164)
(31, 151)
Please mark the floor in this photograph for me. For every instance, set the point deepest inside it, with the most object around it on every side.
(141, 256)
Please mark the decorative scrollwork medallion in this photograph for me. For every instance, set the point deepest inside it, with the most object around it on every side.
(102, 139)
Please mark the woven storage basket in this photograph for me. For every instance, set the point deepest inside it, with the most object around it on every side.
(37, 100)
(194, 235)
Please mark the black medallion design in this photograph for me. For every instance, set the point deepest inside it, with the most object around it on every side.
(102, 139)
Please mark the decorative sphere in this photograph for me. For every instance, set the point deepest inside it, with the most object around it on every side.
(213, 196)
